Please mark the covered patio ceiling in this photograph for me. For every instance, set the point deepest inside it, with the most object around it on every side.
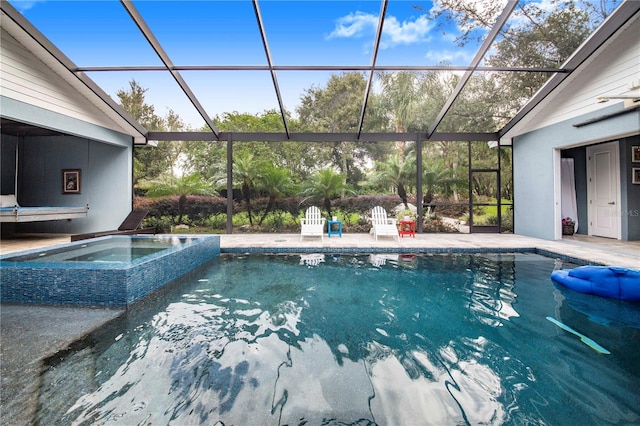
(202, 59)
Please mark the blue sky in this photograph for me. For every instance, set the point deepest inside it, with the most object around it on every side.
(100, 33)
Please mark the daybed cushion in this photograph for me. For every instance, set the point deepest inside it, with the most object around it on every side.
(8, 200)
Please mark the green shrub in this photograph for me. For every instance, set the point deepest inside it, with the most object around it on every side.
(490, 220)
(208, 213)
(507, 222)
(436, 224)
(162, 224)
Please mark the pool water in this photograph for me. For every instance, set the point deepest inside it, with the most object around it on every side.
(113, 249)
(351, 339)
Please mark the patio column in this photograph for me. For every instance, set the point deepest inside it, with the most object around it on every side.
(419, 182)
(229, 184)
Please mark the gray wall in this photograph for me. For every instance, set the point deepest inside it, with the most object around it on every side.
(105, 181)
(104, 156)
(533, 184)
(7, 164)
(630, 209)
(534, 174)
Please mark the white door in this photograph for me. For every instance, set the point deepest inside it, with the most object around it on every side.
(603, 175)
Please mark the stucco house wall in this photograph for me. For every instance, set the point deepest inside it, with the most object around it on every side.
(36, 91)
(557, 123)
(31, 76)
(536, 174)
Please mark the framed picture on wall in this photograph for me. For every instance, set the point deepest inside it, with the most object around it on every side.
(71, 181)
(635, 175)
(635, 154)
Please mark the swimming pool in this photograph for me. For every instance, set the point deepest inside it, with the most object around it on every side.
(353, 339)
(111, 271)
(113, 249)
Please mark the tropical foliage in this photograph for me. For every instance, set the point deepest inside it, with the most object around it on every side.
(274, 179)
(180, 186)
(324, 185)
(397, 173)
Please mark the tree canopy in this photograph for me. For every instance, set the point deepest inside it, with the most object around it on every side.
(538, 35)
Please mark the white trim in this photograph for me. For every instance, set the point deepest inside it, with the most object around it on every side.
(34, 76)
(609, 70)
(557, 194)
(615, 144)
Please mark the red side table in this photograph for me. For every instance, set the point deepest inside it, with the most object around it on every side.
(407, 227)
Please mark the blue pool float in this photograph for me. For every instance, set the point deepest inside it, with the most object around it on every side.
(605, 281)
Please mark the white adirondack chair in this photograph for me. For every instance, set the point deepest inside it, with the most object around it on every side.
(382, 225)
(312, 225)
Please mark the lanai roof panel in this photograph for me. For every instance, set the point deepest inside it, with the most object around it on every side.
(205, 32)
(90, 33)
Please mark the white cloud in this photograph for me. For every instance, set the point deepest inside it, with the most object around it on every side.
(24, 5)
(355, 25)
(394, 32)
(457, 56)
(406, 32)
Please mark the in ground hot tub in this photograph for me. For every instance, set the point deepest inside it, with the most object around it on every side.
(110, 271)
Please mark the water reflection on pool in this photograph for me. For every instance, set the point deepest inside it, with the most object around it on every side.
(347, 339)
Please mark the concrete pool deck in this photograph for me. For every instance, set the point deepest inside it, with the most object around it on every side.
(30, 334)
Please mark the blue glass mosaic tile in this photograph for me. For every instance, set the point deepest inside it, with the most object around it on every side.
(401, 250)
(100, 284)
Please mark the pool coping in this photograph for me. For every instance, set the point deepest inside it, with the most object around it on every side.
(7, 259)
(406, 250)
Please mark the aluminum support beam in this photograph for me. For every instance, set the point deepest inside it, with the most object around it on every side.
(164, 57)
(419, 183)
(230, 184)
(486, 44)
(317, 137)
(372, 70)
(316, 68)
(274, 78)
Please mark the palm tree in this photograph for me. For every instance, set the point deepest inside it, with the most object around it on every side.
(441, 177)
(245, 171)
(401, 93)
(325, 184)
(432, 178)
(192, 184)
(397, 173)
(277, 182)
